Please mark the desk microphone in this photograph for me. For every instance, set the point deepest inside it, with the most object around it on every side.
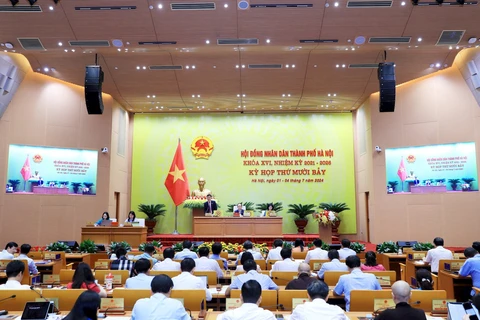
(55, 310)
(5, 312)
(190, 313)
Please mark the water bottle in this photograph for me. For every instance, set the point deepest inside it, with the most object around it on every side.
(400, 251)
(109, 282)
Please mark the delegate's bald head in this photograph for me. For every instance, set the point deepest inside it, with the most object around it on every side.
(401, 291)
(304, 268)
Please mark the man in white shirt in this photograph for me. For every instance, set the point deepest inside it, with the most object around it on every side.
(159, 305)
(250, 267)
(205, 264)
(14, 271)
(287, 264)
(333, 265)
(142, 280)
(167, 264)
(186, 280)
(274, 254)
(318, 253)
(248, 246)
(10, 249)
(186, 253)
(251, 297)
(24, 251)
(317, 307)
(437, 254)
(346, 251)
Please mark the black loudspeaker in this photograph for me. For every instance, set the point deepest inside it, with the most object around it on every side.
(386, 78)
(406, 244)
(335, 246)
(93, 89)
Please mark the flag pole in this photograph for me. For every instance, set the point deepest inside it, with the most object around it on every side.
(176, 221)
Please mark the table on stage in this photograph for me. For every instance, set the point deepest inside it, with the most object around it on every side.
(105, 235)
(237, 226)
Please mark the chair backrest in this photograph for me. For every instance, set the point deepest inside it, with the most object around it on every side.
(62, 257)
(389, 273)
(363, 300)
(262, 264)
(211, 276)
(281, 278)
(269, 298)
(270, 264)
(435, 281)
(220, 264)
(130, 296)
(26, 276)
(422, 299)
(224, 254)
(17, 303)
(66, 276)
(35, 255)
(331, 277)
(66, 298)
(300, 255)
(285, 297)
(316, 264)
(100, 275)
(171, 274)
(192, 298)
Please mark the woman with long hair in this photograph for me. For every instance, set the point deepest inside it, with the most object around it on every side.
(131, 217)
(371, 263)
(298, 246)
(83, 279)
(86, 307)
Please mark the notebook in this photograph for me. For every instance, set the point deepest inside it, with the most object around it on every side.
(36, 310)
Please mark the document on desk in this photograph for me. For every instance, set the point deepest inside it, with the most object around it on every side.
(214, 290)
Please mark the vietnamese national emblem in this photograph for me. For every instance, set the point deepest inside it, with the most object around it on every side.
(202, 147)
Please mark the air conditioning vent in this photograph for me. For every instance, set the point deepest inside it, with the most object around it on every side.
(363, 65)
(193, 6)
(319, 41)
(31, 43)
(165, 67)
(369, 4)
(389, 39)
(237, 42)
(264, 66)
(90, 43)
(145, 43)
(20, 9)
(106, 8)
(282, 5)
(450, 37)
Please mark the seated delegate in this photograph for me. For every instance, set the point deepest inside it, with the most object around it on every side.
(105, 217)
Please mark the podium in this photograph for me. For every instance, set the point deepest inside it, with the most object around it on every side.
(105, 235)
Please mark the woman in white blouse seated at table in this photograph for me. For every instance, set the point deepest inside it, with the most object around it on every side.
(131, 217)
(246, 256)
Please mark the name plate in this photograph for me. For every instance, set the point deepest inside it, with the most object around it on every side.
(297, 301)
(112, 303)
(384, 281)
(416, 255)
(317, 266)
(52, 256)
(3, 265)
(102, 265)
(456, 256)
(456, 266)
(440, 305)
(247, 213)
(117, 279)
(383, 304)
(271, 213)
(232, 303)
(54, 300)
(51, 278)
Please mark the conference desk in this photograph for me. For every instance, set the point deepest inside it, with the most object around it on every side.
(212, 315)
(105, 235)
(457, 287)
(391, 261)
(237, 226)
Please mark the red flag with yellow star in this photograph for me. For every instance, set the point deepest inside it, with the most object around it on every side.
(176, 181)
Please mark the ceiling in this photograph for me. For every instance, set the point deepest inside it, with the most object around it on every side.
(216, 84)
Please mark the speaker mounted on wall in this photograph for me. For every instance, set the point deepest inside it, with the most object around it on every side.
(386, 79)
(93, 89)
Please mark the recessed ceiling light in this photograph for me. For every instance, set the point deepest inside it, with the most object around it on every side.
(46, 69)
(329, 94)
(244, 95)
(438, 65)
(60, 44)
(353, 49)
(51, 8)
(73, 50)
(403, 3)
(316, 66)
(343, 66)
(160, 6)
(237, 66)
(193, 96)
(116, 68)
(148, 96)
(337, 66)
(419, 39)
(66, 50)
(138, 67)
(450, 48)
(193, 67)
(119, 49)
(153, 96)
(288, 95)
(198, 96)
(238, 96)
(287, 66)
(207, 41)
(283, 95)
(187, 67)
(225, 5)
(336, 4)
(267, 41)
(144, 68)
(293, 66)
(457, 47)
(334, 94)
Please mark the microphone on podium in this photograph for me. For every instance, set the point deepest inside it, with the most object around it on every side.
(5, 312)
(54, 308)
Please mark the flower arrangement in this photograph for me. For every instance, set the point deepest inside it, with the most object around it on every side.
(156, 244)
(357, 247)
(115, 245)
(232, 248)
(193, 202)
(58, 246)
(326, 218)
(38, 248)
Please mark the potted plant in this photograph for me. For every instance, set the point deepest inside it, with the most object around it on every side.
(156, 244)
(58, 246)
(277, 206)
(422, 246)
(76, 186)
(336, 208)
(152, 211)
(115, 245)
(453, 183)
(88, 246)
(393, 185)
(357, 247)
(467, 186)
(14, 183)
(387, 247)
(302, 212)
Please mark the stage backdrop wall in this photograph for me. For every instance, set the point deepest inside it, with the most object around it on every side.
(258, 158)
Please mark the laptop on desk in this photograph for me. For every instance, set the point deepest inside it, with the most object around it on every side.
(36, 310)
(106, 223)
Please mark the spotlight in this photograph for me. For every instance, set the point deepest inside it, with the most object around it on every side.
(32, 2)
(14, 2)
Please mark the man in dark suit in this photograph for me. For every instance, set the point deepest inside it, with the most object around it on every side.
(210, 206)
(239, 210)
(401, 294)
